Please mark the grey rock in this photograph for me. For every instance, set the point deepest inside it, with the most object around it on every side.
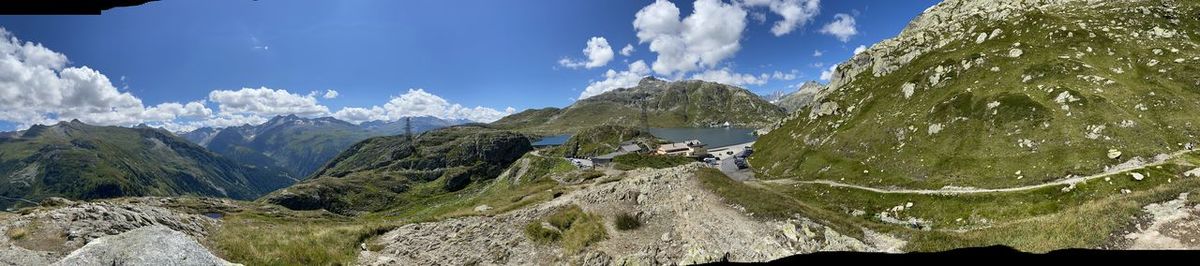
(151, 245)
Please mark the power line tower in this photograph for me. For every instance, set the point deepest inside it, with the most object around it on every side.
(408, 128)
(645, 116)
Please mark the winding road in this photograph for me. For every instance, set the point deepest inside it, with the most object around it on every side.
(958, 191)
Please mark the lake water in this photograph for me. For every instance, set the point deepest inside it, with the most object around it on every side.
(552, 140)
(712, 137)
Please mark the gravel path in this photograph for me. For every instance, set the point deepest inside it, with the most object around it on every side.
(958, 191)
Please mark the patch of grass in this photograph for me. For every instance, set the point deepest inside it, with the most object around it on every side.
(540, 234)
(584, 175)
(636, 160)
(261, 239)
(573, 228)
(584, 232)
(625, 222)
(17, 233)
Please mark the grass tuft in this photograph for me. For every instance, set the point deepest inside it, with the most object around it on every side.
(573, 228)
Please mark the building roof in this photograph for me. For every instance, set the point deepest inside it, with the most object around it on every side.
(674, 146)
(630, 148)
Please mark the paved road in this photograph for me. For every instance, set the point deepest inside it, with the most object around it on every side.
(1065, 182)
(730, 169)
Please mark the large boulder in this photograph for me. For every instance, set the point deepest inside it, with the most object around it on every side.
(151, 245)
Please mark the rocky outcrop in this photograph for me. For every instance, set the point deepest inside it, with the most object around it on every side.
(59, 226)
(681, 224)
(150, 246)
(801, 98)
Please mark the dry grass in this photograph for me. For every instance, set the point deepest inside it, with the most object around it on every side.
(255, 240)
(17, 233)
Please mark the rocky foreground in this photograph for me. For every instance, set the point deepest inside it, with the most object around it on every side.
(135, 231)
(682, 224)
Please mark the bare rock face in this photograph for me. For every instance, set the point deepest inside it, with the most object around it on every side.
(682, 223)
(150, 245)
(60, 226)
(1166, 225)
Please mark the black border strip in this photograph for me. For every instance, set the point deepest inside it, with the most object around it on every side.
(63, 7)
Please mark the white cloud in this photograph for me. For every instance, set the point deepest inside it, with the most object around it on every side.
(266, 102)
(860, 49)
(418, 102)
(37, 87)
(706, 37)
(818, 53)
(795, 13)
(330, 94)
(628, 50)
(725, 76)
(615, 80)
(843, 27)
(827, 75)
(597, 51)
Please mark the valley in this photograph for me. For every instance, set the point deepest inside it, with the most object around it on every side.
(1036, 125)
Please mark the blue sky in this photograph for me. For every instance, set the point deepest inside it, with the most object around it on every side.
(273, 57)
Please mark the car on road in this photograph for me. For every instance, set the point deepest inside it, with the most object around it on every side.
(741, 163)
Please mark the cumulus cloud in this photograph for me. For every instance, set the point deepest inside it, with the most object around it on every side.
(266, 102)
(598, 54)
(726, 76)
(38, 87)
(827, 75)
(843, 27)
(628, 50)
(818, 53)
(701, 40)
(418, 102)
(860, 49)
(615, 80)
(795, 13)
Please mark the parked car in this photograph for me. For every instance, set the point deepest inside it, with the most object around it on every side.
(741, 163)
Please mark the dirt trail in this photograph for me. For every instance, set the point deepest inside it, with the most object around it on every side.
(958, 191)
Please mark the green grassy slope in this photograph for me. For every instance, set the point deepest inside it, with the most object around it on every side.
(382, 172)
(605, 139)
(1087, 79)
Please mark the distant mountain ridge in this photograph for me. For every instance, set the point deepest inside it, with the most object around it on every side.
(81, 161)
(301, 145)
(688, 103)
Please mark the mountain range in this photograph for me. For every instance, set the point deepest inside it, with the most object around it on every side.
(76, 160)
(299, 144)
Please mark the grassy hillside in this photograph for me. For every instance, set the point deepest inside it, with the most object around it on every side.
(605, 139)
(80, 161)
(1037, 97)
(382, 172)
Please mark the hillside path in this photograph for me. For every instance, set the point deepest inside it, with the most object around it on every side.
(959, 191)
